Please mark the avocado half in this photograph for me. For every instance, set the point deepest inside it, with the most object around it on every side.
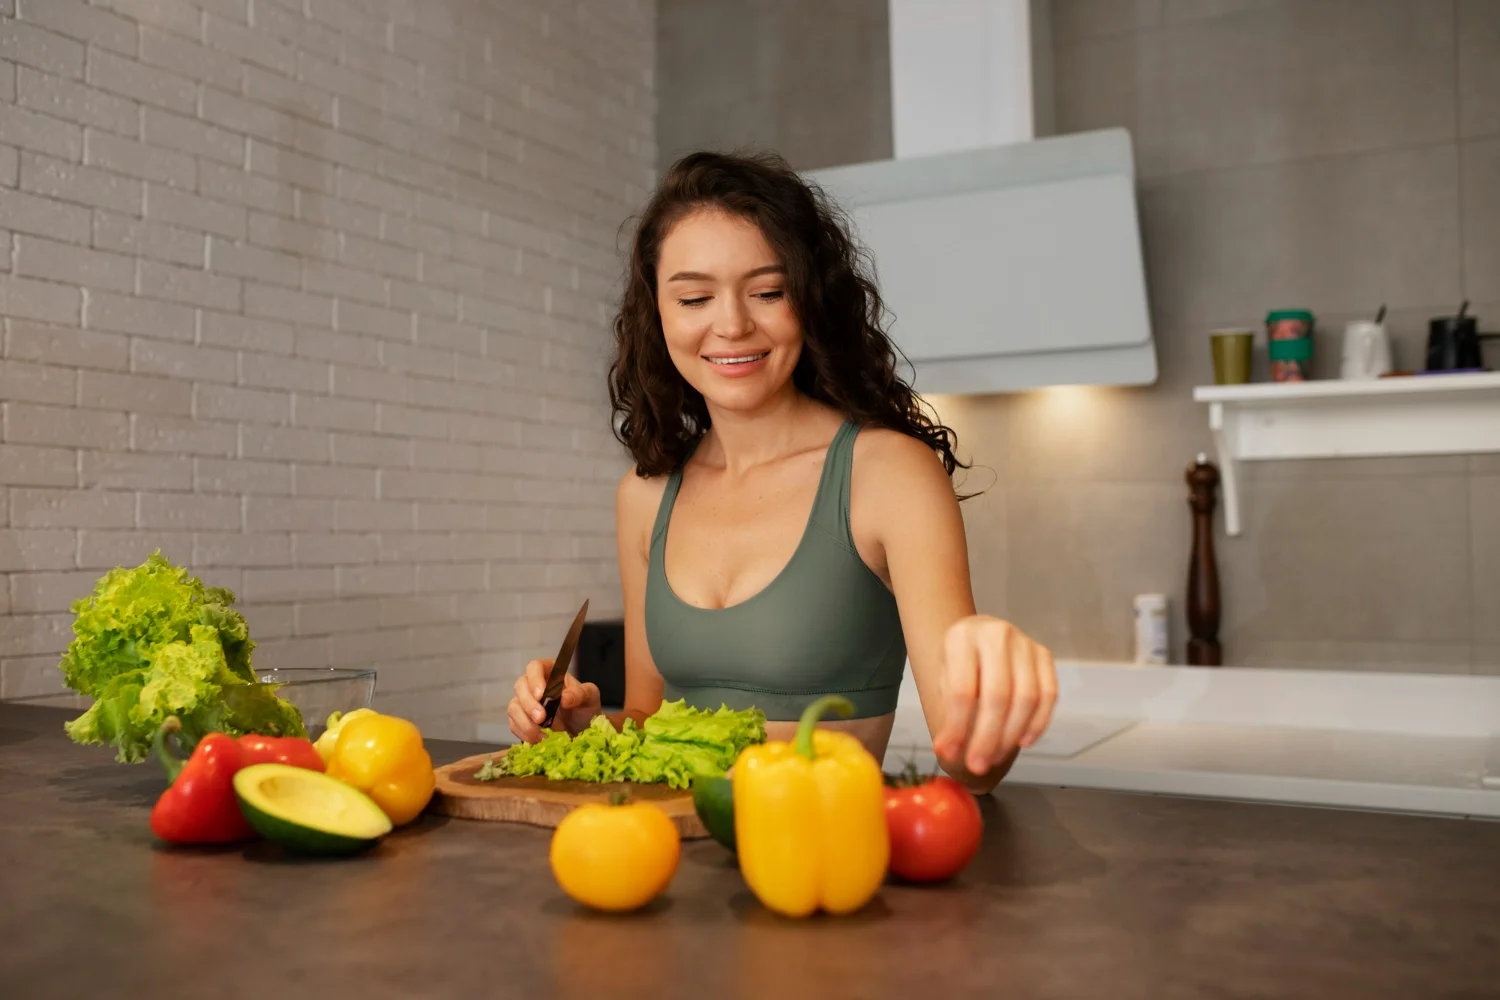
(307, 811)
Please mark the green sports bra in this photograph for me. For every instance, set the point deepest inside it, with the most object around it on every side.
(825, 625)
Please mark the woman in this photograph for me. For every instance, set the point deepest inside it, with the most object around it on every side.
(790, 528)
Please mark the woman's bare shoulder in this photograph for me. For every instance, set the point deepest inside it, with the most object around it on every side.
(637, 497)
(898, 475)
(892, 456)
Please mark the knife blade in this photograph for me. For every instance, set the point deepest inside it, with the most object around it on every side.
(552, 696)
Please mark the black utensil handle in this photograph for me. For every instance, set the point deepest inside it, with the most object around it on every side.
(550, 706)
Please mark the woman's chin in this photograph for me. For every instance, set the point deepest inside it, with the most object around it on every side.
(746, 397)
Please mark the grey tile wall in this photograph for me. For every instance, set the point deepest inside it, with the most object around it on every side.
(1081, 20)
(978, 422)
(1110, 435)
(1486, 658)
(1117, 80)
(1342, 233)
(811, 81)
(1078, 552)
(1174, 11)
(1351, 559)
(1480, 221)
(693, 38)
(1478, 69)
(1272, 82)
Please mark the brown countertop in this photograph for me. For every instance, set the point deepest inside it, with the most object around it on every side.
(1074, 894)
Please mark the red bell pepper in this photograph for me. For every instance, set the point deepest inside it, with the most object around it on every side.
(293, 750)
(200, 807)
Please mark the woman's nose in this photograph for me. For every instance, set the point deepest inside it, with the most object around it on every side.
(733, 319)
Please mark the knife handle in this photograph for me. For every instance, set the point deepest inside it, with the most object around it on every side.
(550, 706)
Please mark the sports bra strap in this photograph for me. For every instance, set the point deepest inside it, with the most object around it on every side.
(664, 509)
(831, 506)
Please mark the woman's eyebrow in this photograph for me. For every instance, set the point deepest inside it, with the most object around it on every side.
(700, 276)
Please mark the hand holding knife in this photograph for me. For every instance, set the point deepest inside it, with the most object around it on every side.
(541, 688)
(552, 696)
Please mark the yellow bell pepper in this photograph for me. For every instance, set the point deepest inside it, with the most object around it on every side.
(809, 819)
(383, 757)
(336, 722)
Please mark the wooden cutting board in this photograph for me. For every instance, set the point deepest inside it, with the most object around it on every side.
(543, 802)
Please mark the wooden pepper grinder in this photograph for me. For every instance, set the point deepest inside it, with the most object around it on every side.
(1203, 574)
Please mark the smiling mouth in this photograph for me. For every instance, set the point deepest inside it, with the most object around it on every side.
(742, 360)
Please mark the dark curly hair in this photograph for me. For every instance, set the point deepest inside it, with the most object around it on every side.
(848, 362)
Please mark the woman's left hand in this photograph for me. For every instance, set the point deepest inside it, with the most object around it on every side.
(998, 689)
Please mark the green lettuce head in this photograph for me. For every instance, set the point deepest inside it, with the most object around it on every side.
(153, 641)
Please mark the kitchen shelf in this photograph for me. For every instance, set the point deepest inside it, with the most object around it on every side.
(1336, 418)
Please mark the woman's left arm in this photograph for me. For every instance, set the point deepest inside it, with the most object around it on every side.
(987, 689)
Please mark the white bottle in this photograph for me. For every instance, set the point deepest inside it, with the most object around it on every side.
(1151, 628)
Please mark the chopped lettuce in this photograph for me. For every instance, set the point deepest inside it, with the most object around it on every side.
(153, 641)
(674, 745)
(488, 771)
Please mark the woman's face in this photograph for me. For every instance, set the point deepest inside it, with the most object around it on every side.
(721, 292)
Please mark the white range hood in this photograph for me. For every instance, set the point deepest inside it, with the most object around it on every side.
(1006, 262)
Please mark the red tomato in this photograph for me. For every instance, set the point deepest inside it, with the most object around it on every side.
(935, 829)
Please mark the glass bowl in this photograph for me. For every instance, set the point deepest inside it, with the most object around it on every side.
(53, 699)
(318, 691)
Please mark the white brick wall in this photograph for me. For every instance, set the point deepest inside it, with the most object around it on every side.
(313, 294)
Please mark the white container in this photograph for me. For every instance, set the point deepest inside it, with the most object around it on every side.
(1151, 628)
(1366, 350)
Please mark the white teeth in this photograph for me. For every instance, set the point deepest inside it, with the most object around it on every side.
(738, 361)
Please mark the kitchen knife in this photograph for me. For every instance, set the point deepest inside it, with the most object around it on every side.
(552, 696)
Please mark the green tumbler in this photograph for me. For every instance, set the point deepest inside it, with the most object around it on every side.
(1231, 351)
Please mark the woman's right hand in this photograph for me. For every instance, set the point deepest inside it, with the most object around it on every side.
(580, 703)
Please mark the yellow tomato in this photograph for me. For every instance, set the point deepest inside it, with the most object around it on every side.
(383, 757)
(615, 857)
